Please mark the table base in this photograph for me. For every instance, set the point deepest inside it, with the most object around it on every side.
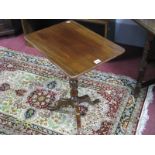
(74, 101)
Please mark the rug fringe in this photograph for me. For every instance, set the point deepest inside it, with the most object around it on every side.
(144, 117)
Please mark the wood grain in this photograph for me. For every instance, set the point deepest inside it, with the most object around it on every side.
(73, 48)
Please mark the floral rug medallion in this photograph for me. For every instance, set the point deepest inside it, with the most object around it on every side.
(29, 84)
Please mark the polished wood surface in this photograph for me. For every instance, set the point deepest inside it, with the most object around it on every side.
(73, 48)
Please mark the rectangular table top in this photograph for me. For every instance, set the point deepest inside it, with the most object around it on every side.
(73, 48)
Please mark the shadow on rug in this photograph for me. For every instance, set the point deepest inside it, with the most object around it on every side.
(28, 85)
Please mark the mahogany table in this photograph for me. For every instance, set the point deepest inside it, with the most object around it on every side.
(75, 50)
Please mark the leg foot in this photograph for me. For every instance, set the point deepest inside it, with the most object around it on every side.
(87, 99)
(74, 102)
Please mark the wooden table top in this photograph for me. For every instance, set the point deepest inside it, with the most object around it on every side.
(148, 24)
(73, 48)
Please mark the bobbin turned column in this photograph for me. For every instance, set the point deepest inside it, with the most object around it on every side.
(143, 65)
(74, 97)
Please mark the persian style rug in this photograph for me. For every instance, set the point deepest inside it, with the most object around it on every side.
(29, 84)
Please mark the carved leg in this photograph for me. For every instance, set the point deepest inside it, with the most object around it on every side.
(74, 97)
(87, 99)
(74, 101)
(143, 65)
(61, 103)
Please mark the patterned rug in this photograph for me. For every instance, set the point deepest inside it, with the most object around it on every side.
(29, 84)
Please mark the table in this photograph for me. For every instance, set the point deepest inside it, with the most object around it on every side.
(75, 50)
(149, 26)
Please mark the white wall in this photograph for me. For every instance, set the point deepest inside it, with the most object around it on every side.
(130, 33)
